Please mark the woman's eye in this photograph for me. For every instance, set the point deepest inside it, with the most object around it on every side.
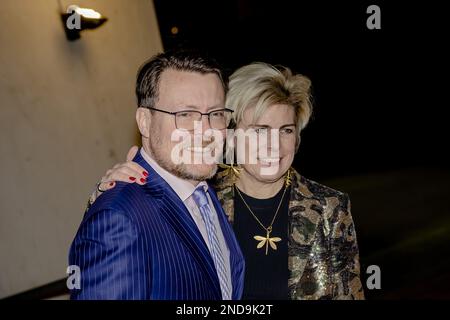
(261, 130)
(286, 131)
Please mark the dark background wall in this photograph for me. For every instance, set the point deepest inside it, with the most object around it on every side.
(379, 131)
(375, 90)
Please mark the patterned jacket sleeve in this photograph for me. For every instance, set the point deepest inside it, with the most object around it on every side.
(345, 254)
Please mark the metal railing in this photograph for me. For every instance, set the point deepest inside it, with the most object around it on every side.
(47, 291)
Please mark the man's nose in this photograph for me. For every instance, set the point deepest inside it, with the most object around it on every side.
(205, 122)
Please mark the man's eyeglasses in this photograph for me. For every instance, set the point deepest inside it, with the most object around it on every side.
(185, 120)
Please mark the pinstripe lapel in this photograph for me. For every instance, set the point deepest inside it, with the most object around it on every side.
(173, 210)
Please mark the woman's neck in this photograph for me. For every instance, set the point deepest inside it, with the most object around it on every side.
(257, 189)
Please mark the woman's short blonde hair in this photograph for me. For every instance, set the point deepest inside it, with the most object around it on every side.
(261, 85)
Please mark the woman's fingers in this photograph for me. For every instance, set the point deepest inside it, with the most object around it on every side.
(125, 173)
(117, 165)
(126, 176)
(129, 172)
(132, 153)
(136, 167)
(106, 185)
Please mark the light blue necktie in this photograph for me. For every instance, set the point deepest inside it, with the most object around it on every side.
(202, 202)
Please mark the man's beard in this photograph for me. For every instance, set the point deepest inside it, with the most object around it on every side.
(180, 170)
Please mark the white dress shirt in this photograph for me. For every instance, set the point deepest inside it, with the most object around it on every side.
(184, 189)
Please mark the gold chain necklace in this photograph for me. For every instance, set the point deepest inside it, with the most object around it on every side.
(267, 240)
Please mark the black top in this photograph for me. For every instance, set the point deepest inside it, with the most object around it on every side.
(266, 276)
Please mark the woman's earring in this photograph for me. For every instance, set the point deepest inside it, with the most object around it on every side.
(288, 178)
(233, 170)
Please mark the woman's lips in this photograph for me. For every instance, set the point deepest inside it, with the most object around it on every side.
(269, 161)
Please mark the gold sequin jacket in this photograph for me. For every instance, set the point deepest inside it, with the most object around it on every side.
(323, 256)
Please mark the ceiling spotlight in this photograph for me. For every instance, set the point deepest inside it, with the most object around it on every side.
(77, 19)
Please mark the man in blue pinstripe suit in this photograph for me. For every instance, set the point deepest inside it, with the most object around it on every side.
(168, 238)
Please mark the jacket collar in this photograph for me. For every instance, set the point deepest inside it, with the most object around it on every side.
(303, 221)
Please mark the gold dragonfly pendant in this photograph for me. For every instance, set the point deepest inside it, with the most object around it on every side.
(267, 240)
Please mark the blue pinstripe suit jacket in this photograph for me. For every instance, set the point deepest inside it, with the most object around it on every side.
(140, 242)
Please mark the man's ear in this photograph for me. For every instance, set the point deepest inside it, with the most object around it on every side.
(143, 119)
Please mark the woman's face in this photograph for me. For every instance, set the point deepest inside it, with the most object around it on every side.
(272, 159)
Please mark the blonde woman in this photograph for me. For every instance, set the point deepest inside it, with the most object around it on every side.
(297, 236)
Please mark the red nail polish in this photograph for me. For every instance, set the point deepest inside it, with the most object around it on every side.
(111, 184)
(143, 180)
(145, 173)
(132, 178)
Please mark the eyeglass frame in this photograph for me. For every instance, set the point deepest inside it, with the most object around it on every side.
(201, 115)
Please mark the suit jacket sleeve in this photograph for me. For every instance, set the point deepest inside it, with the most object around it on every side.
(345, 254)
(106, 248)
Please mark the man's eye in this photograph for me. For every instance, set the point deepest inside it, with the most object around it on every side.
(184, 114)
(218, 114)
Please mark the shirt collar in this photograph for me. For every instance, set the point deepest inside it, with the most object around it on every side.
(182, 188)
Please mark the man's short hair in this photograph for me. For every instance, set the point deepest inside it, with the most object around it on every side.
(149, 73)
